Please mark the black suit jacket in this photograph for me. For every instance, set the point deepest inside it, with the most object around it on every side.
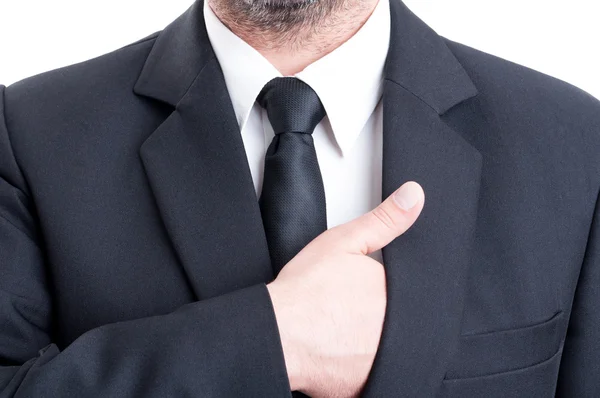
(133, 261)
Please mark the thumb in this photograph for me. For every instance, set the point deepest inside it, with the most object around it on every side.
(375, 229)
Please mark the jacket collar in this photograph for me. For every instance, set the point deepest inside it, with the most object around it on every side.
(179, 53)
(420, 62)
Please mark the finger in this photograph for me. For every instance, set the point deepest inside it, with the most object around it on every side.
(394, 216)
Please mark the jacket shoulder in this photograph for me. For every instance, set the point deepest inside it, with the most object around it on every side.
(494, 74)
(82, 82)
(516, 97)
(88, 101)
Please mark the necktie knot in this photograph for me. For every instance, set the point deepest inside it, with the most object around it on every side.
(292, 105)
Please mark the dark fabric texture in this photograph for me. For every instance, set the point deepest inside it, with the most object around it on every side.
(292, 200)
(133, 257)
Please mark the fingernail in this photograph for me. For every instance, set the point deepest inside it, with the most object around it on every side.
(407, 196)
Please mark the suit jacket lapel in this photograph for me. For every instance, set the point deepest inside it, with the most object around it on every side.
(196, 164)
(426, 267)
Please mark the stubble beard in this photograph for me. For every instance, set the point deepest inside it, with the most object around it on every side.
(281, 23)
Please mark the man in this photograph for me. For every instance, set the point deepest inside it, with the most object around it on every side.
(225, 208)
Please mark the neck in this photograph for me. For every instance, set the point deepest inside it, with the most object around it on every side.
(292, 37)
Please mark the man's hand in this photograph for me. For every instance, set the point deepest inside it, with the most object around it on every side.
(330, 299)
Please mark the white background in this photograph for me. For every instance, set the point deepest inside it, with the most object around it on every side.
(560, 38)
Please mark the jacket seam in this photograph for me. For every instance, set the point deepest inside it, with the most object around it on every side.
(414, 95)
(213, 58)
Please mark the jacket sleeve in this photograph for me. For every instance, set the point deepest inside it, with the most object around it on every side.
(579, 374)
(227, 346)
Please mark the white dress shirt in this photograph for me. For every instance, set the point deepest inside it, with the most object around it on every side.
(348, 80)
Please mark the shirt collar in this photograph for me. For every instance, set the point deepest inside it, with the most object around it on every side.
(348, 80)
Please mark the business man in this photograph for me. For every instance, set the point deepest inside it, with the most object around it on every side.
(323, 197)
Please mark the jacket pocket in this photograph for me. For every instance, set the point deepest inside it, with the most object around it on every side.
(537, 381)
(506, 350)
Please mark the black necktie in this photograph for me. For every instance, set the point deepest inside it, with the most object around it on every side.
(292, 201)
